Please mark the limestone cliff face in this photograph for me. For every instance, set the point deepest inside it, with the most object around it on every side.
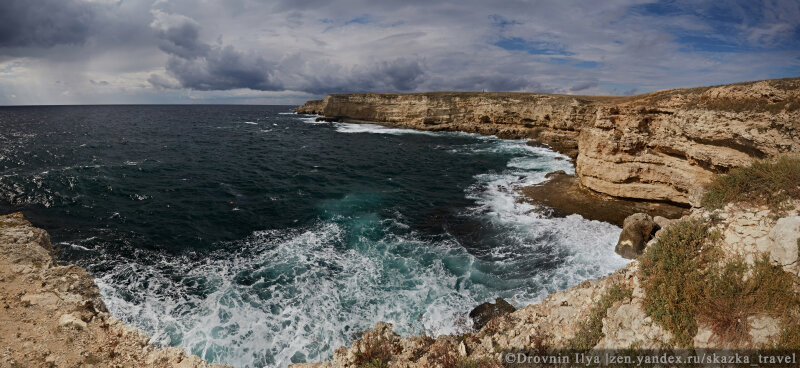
(53, 316)
(666, 145)
(659, 146)
(552, 119)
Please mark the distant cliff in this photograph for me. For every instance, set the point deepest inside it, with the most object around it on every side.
(658, 146)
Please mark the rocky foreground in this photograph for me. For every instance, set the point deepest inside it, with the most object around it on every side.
(661, 146)
(609, 314)
(52, 315)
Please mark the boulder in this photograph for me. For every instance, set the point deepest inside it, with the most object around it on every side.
(637, 230)
(554, 173)
(485, 312)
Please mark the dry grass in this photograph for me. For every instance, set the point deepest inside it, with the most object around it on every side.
(444, 355)
(591, 330)
(721, 295)
(789, 338)
(682, 252)
(376, 352)
(746, 105)
(737, 291)
(763, 182)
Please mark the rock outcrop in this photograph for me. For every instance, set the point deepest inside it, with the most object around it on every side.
(660, 146)
(554, 324)
(486, 312)
(637, 230)
(52, 315)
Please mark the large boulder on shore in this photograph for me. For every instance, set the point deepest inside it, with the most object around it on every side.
(637, 230)
(485, 312)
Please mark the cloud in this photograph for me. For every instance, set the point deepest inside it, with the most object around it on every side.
(197, 65)
(44, 23)
(178, 35)
(584, 86)
(185, 50)
(200, 66)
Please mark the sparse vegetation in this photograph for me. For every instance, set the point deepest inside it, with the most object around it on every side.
(737, 291)
(789, 338)
(376, 352)
(746, 104)
(722, 295)
(763, 182)
(682, 252)
(444, 355)
(591, 330)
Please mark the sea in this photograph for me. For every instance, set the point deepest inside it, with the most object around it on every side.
(256, 237)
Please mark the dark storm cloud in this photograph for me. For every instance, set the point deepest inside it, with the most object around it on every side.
(397, 75)
(200, 66)
(44, 23)
(206, 67)
(223, 68)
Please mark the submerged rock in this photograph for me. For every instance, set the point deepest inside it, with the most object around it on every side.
(637, 230)
(485, 312)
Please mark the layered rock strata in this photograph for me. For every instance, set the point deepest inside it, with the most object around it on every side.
(660, 146)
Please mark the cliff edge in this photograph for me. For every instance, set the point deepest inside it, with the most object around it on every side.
(660, 146)
(52, 315)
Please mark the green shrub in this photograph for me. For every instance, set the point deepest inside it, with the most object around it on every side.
(685, 285)
(591, 330)
(671, 273)
(763, 182)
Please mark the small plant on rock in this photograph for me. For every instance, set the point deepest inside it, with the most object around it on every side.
(591, 330)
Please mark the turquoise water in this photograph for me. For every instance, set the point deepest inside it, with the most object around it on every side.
(255, 237)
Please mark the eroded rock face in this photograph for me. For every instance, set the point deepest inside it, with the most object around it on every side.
(637, 230)
(53, 316)
(661, 146)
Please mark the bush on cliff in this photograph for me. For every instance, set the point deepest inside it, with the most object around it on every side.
(763, 182)
(737, 291)
(672, 276)
(684, 284)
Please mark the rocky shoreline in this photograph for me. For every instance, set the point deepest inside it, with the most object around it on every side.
(619, 324)
(651, 153)
(53, 316)
(660, 146)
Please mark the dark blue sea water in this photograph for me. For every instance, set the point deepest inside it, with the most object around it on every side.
(255, 237)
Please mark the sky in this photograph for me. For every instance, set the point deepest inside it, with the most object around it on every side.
(290, 51)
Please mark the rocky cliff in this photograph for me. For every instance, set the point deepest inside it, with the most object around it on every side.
(660, 146)
(52, 315)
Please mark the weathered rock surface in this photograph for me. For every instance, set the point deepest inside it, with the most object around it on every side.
(52, 315)
(637, 230)
(660, 146)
